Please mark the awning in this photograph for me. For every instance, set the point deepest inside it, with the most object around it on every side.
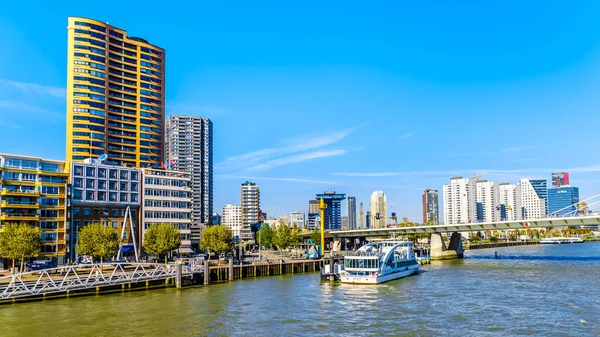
(127, 249)
(185, 250)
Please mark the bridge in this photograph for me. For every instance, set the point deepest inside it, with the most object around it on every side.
(438, 246)
(90, 277)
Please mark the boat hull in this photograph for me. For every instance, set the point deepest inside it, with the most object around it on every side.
(377, 279)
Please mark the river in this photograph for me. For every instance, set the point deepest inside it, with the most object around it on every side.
(548, 290)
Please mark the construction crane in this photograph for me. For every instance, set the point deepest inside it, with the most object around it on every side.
(360, 218)
(478, 176)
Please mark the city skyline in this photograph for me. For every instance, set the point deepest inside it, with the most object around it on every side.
(229, 87)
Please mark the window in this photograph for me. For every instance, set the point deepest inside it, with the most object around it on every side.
(90, 195)
(124, 186)
(96, 212)
(115, 224)
(101, 184)
(113, 185)
(89, 183)
(89, 171)
(105, 223)
(123, 197)
(115, 212)
(113, 173)
(101, 196)
(112, 196)
(124, 174)
(76, 211)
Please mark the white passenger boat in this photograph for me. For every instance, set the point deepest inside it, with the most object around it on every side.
(380, 262)
(560, 240)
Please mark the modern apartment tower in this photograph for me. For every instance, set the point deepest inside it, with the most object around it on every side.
(250, 203)
(563, 201)
(333, 212)
(313, 214)
(510, 197)
(189, 148)
(488, 205)
(351, 212)
(115, 95)
(431, 207)
(232, 218)
(460, 201)
(560, 179)
(534, 198)
(378, 210)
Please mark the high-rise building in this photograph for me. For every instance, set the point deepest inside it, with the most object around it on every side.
(488, 201)
(345, 222)
(189, 148)
(431, 207)
(216, 219)
(101, 194)
(534, 198)
(510, 197)
(115, 95)
(168, 199)
(560, 179)
(250, 203)
(333, 212)
(232, 217)
(34, 191)
(378, 210)
(313, 214)
(460, 200)
(563, 201)
(297, 219)
(352, 212)
(368, 220)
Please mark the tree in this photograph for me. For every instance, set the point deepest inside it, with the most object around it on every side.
(160, 239)
(265, 236)
(217, 239)
(315, 236)
(282, 237)
(98, 241)
(19, 241)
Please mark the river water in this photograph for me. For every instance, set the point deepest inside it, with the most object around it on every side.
(549, 290)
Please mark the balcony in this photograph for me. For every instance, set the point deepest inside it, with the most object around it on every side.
(19, 204)
(20, 193)
(19, 217)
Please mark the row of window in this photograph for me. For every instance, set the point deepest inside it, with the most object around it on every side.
(105, 212)
(151, 72)
(92, 96)
(90, 111)
(167, 204)
(91, 80)
(105, 196)
(150, 79)
(90, 127)
(167, 215)
(91, 64)
(148, 107)
(90, 33)
(91, 49)
(166, 193)
(101, 172)
(91, 57)
(91, 25)
(90, 88)
(91, 41)
(88, 134)
(151, 65)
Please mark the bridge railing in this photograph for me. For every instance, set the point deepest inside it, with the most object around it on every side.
(82, 276)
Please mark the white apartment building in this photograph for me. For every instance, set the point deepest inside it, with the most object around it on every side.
(534, 197)
(250, 203)
(378, 210)
(298, 219)
(232, 218)
(510, 197)
(488, 201)
(460, 201)
(167, 199)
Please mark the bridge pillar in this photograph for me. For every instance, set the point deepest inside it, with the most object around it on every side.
(439, 251)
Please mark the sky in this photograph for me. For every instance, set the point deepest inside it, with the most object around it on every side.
(347, 96)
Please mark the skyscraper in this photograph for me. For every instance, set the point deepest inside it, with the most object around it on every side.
(333, 212)
(488, 201)
(560, 179)
(563, 201)
(431, 207)
(378, 210)
(313, 214)
(510, 197)
(460, 199)
(115, 95)
(352, 212)
(534, 198)
(189, 147)
(250, 203)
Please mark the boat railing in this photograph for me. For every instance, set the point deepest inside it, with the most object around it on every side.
(366, 254)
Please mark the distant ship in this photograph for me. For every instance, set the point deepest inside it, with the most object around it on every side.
(559, 240)
(380, 262)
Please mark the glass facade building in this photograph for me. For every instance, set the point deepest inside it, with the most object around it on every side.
(562, 200)
(115, 95)
(333, 212)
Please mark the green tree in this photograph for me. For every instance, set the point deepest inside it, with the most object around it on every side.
(282, 237)
(265, 236)
(19, 242)
(217, 239)
(315, 236)
(98, 241)
(160, 239)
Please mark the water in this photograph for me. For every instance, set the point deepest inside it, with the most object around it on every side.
(529, 290)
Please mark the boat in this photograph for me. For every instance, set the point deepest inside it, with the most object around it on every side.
(379, 262)
(559, 240)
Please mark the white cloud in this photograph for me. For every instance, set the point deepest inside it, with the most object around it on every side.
(9, 125)
(36, 88)
(297, 180)
(520, 148)
(584, 169)
(254, 159)
(297, 159)
(406, 136)
(21, 106)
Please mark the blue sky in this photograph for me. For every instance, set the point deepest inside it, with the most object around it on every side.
(346, 96)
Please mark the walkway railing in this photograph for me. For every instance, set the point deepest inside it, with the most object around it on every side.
(86, 276)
